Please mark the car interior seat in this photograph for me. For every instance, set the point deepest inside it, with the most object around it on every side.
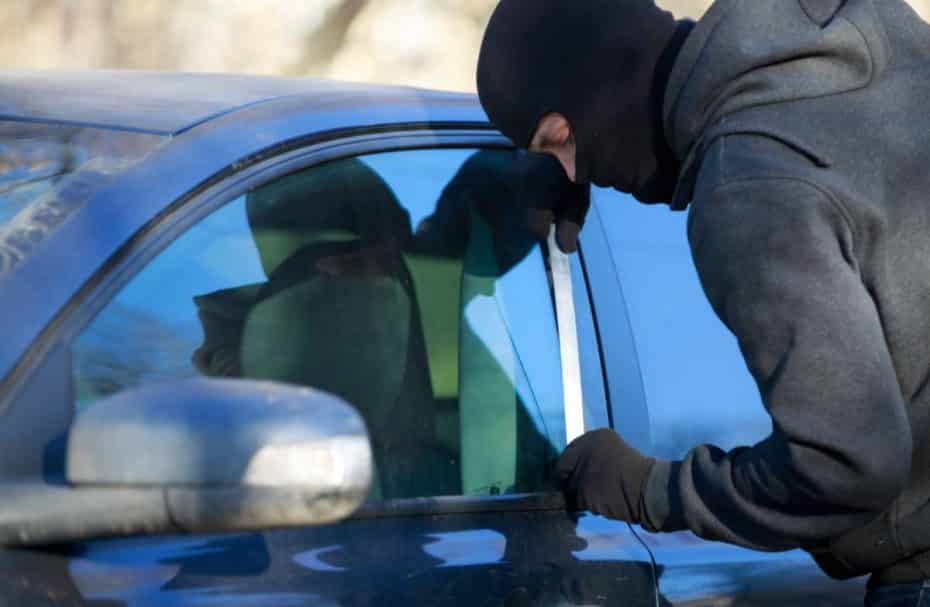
(338, 313)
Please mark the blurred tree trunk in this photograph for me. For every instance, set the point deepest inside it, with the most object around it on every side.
(86, 33)
(324, 42)
(430, 43)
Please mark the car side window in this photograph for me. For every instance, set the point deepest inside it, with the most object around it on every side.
(404, 282)
(696, 384)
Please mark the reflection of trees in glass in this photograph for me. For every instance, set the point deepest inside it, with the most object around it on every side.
(126, 347)
(47, 171)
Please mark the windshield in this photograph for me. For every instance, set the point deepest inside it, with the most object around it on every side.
(47, 171)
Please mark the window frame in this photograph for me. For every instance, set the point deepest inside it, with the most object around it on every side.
(624, 385)
(179, 218)
(181, 215)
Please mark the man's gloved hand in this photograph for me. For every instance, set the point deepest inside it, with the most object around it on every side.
(549, 197)
(602, 473)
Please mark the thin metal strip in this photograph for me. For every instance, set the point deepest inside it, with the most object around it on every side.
(568, 340)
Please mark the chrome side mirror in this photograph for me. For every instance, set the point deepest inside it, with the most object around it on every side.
(197, 456)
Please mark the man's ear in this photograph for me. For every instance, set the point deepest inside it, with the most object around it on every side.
(553, 130)
(562, 130)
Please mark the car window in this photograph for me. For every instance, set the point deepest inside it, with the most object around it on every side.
(404, 282)
(697, 387)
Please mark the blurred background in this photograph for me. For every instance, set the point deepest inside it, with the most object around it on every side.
(431, 43)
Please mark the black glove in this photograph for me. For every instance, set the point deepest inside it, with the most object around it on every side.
(602, 473)
(549, 197)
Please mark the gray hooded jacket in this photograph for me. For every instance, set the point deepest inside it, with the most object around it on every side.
(804, 134)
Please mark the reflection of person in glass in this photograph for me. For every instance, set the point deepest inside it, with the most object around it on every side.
(485, 221)
(511, 200)
(343, 310)
(337, 311)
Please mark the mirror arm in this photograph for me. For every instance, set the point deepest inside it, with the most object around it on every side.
(35, 514)
(204, 510)
(41, 514)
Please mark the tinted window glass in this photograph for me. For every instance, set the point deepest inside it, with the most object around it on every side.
(46, 171)
(697, 387)
(404, 282)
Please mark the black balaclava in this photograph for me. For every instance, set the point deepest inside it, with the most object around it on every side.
(603, 64)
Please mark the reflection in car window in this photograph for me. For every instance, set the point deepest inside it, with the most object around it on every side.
(404, 282)
(47, 171)
(697, 387)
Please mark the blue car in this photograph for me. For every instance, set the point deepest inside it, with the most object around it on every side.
(289, 342)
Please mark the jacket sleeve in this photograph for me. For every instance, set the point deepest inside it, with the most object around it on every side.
(776, 260)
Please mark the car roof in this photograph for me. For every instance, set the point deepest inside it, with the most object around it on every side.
(167, 103)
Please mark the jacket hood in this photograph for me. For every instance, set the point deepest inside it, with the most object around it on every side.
(746, 54)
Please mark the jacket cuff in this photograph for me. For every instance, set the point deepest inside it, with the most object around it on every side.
(662, 508)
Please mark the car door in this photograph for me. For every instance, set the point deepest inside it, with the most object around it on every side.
(676, 380)
(398, 276)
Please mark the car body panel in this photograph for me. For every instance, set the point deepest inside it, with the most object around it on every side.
(695, 572)
(516, 558)
(506, 558)
(533, 555)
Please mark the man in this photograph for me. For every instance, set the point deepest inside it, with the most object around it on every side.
(797, 133)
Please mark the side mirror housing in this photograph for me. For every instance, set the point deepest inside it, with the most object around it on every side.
(198, 456)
